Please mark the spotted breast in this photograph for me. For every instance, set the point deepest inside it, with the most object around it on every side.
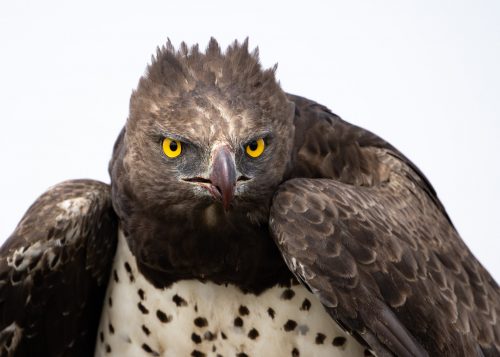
(193, 318)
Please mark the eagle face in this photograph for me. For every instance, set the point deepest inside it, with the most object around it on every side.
(203, 149)
(206, 139)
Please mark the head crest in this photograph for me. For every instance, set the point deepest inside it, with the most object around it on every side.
(175, 71)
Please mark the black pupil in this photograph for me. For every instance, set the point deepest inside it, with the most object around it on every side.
(253, 145)
(173, 145)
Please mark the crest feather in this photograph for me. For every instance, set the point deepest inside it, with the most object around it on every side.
(174, 71)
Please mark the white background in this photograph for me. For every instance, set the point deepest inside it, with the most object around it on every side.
(425, 75)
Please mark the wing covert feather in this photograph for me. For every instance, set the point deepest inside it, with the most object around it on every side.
(54, 270)
(374, 260)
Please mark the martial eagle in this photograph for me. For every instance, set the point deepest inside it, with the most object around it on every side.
(242, 221)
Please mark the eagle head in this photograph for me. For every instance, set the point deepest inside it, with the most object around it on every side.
(207, 141)
(204, 129)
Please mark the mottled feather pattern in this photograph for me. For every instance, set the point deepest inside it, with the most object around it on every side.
(385, 241)
(47, 300)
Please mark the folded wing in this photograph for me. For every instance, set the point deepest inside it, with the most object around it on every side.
(54, 270)
(363, 229)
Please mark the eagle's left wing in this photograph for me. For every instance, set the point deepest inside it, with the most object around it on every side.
(54, 270)
(386, 268)
(381, 254)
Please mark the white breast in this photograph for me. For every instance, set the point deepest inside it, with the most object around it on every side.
(191, 318)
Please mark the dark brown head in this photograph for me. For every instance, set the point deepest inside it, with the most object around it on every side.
(209, 135)
(204, 128)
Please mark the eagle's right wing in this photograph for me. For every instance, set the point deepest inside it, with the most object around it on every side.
(54, 270)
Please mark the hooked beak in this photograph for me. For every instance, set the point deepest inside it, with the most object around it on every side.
(223, 176)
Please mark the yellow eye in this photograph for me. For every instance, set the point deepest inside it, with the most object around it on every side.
(171, 148)
(255, 148)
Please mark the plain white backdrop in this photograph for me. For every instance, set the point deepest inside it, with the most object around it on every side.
(424, 75)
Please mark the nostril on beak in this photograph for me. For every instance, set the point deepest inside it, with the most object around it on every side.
(218, 189)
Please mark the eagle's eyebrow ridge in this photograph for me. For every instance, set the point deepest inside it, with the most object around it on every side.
(162, 133)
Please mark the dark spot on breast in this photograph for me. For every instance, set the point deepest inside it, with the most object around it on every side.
(129, 271)
(115, 276)
(214, 348)
(101, 336)
(243, 310)
(253, 334)
(288, 294)
(223, 335)
(140, 292)
(179, 301)
(320, 338)
(195, 307)
(110, 301)
(196, 338)
(197, 353)
(146, 330)
(242, 354)
(290, 325)
(200, 322)
(295, 352)
(306, 305)
(108, 348)
(149, 350)
(127, 267)
(143, 308)
(368, 352)
(111, 328)
(339, 341)
(238, 322)
(163, 316)
(209, 336)
(271, 313)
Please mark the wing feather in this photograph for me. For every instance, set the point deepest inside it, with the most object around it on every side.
(364, 230)
(54, 269)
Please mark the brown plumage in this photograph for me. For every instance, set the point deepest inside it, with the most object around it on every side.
(327, 202)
